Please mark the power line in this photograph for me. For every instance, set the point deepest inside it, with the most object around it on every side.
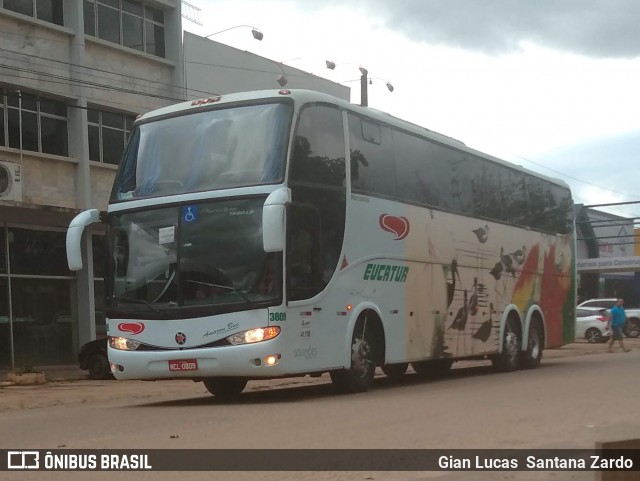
(67, 81)
(69, 64)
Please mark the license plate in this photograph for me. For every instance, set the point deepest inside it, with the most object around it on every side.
(183, 365)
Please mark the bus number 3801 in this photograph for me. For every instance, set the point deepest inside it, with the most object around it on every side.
(277, 316)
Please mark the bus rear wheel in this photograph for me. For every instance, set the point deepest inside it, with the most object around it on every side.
(225, 388)
(509, 359)
(533, 355)
(359, 376)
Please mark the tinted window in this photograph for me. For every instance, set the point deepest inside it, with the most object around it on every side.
(372, 162)
(154, 14)
(513, 196)
(3, 259)
(40, 252)
(98, 247)
(318, 147)
(416, 181)
(317, 215)
(430, 174)
(108, 24)
(24, 7)
(94, 143)
(54, 136)
(5, 335)
(50, 11)
(89, 18)
(155, 39)
(29, 130)
(1, 123)
(113, 145)
(132, 32)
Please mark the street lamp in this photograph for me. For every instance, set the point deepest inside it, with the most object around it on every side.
(257, 34)
(282, 80)
(364, 82)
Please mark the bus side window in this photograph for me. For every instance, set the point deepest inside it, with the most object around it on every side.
(304, 266)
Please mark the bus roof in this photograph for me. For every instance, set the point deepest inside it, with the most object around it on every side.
(301, 96)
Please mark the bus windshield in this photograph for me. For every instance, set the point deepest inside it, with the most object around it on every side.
(206, 150)
(191, 260)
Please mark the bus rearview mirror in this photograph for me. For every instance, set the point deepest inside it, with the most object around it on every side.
(74, 236)
(273, 220)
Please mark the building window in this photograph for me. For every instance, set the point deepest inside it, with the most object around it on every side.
(34, 124)
(108, 133)
(46, 10)
(126, 22)
(2, 122)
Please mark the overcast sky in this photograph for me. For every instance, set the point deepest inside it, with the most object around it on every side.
(551, 85)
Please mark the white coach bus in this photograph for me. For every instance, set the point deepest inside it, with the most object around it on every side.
(286, 233)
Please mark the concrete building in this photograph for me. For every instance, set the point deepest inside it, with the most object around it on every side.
(608, 264)
(73, 77)
(215, 68)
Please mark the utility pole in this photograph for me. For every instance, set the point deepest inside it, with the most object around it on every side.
(364, 96)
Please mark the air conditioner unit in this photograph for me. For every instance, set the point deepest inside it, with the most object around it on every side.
(10, 181)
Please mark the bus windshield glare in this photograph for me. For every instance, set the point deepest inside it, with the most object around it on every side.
(191, 260)
(206, 150)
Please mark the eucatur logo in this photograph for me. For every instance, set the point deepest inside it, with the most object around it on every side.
(397, 225)
(132, 327)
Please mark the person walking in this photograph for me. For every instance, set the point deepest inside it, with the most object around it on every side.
(616, 323)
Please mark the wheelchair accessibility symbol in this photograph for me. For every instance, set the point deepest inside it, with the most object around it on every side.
(190, 214)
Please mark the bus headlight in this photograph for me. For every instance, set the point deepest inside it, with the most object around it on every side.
(123, 344)
(254, 335)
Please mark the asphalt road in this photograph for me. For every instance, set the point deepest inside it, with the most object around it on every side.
(572, 400)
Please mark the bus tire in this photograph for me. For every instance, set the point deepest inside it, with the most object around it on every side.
(432, 369)
(533, 355)
(395, 372)
(509, 359)
(359, 376)
(225, 387)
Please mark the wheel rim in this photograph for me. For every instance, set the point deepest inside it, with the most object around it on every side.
(534, 344)
(511, 345)
(361, 358)
(593, 335)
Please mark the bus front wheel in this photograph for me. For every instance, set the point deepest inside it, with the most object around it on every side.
(359, 376)
(225, 388)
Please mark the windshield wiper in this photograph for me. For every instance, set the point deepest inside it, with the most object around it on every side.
(138, 301)
(228, 288)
